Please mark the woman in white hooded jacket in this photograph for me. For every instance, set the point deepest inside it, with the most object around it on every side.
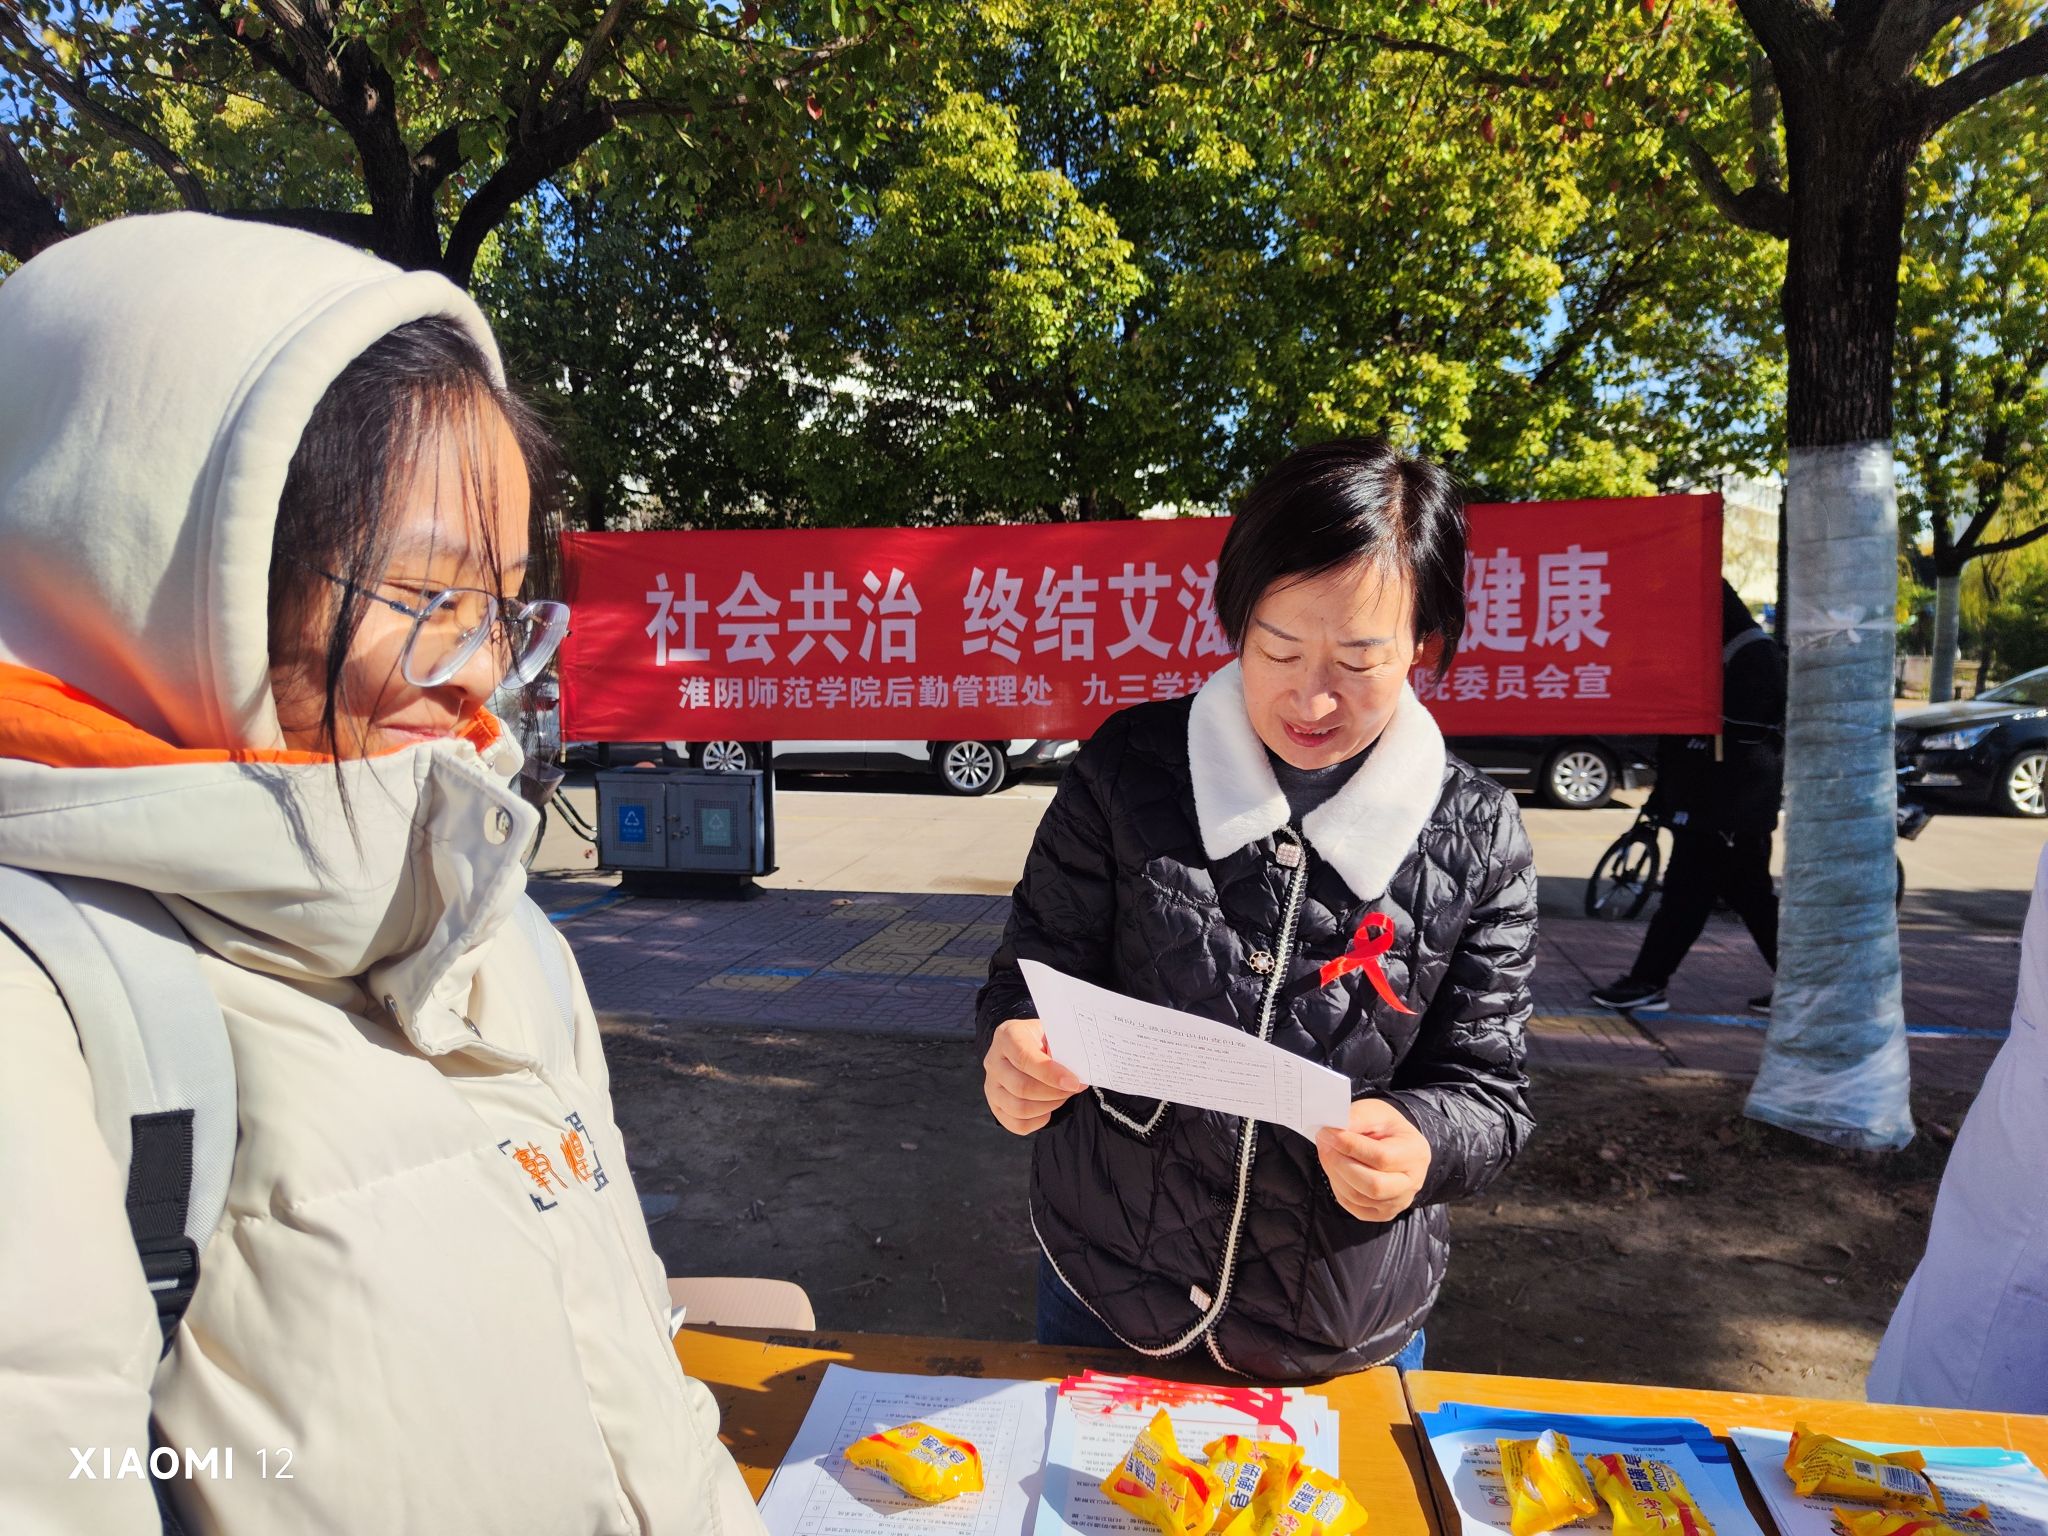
(266, 513)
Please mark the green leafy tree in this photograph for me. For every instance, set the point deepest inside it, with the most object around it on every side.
(1824, 110)
(1973, 351)
(944, 346)
(602, 306)
(414, 129)
(1125, 256)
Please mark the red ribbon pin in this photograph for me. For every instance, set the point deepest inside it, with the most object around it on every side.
(1374, 938)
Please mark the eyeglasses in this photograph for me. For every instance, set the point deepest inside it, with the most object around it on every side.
(453, 624)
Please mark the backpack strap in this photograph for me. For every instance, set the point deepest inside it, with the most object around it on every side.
(547, 947)
(156, 1046)
(1747, 637)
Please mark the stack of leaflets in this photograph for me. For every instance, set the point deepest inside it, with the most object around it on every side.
(1462, 1436)
(2010, 1488)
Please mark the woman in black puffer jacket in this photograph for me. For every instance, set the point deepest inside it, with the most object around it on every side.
(1217, 854)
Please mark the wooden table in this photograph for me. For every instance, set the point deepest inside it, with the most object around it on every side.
(764, 1382)
(1722, 1411)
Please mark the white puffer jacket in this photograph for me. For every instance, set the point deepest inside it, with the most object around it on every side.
(432, 1300)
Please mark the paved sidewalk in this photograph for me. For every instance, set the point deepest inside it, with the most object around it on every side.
(909, 965)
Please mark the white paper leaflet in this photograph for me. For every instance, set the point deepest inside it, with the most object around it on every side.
(1126, 1046)
(2010, 1487)
(815, 1493)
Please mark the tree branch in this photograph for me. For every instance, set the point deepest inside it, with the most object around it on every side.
(1386, 42)
(75, 93)
(1900, 30)
(440, 157)
(2023, 60)
(1619, 283)
(1764, 107)
(1765, 209)
(1792, 31)
(2017, 541)
(594, 48)
(537, 79)
(29, 220)
(529, 163)
(357, 229)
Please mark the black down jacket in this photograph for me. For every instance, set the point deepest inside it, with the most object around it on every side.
(1734, 785)
(1142, 1206)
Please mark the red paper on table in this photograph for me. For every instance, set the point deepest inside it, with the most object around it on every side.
(1593, 616)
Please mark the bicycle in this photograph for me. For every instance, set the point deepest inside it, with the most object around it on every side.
(1628, 873)
(1626, 877)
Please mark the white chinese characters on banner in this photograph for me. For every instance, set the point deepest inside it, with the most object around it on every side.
(1493, 602)
(1070, 614)
(1571, 602)
(676, 614)
(997, 690)
(751, 622)
(1471, 683)
(892, 609)
(750, 634)
(1134, 588)
(1571, 598)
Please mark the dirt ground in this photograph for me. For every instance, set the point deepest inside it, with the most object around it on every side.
(1649, 1234)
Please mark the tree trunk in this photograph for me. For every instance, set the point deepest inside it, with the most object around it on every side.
(1834, 1065)
(29, 221)
(1948, 605)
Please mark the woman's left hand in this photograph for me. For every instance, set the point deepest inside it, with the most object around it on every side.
(1377, 1165)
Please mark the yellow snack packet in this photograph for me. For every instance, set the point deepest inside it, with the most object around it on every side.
(925, 1463)
(1648, 1498)
(1241, 1464)
(1824, 1467)
(1162, 1487)
(1305, 1502)
(1893, 1522)
(1545, 1487)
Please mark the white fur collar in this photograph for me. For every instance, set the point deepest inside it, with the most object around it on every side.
(1365, 830)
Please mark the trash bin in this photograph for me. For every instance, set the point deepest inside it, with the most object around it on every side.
(682, 821)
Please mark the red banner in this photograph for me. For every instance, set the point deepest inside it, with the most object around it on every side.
(1581, 616)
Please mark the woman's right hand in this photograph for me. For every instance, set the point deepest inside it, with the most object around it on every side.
(1022, 1083)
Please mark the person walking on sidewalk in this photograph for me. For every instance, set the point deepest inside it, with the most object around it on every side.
(1720, 799)
(1289, 852)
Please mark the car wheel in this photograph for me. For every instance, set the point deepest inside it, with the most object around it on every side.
(1580, 776)
(970, 767)
(723, 757)
(2023, 788)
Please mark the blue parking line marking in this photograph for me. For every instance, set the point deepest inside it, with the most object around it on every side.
(608, 899)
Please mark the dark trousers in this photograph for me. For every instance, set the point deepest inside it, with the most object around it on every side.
(1736, 867)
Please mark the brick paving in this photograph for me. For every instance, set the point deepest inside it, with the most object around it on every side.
(909, 965)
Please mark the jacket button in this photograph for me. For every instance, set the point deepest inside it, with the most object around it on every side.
(1260, 961)
(499, 827)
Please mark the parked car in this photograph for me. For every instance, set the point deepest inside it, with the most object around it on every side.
(964, 767)
(1573, 773)
(1578, 773)
(1990, 750)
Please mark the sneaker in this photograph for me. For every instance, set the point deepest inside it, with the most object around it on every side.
(1761, 1004)
(1631, 996)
